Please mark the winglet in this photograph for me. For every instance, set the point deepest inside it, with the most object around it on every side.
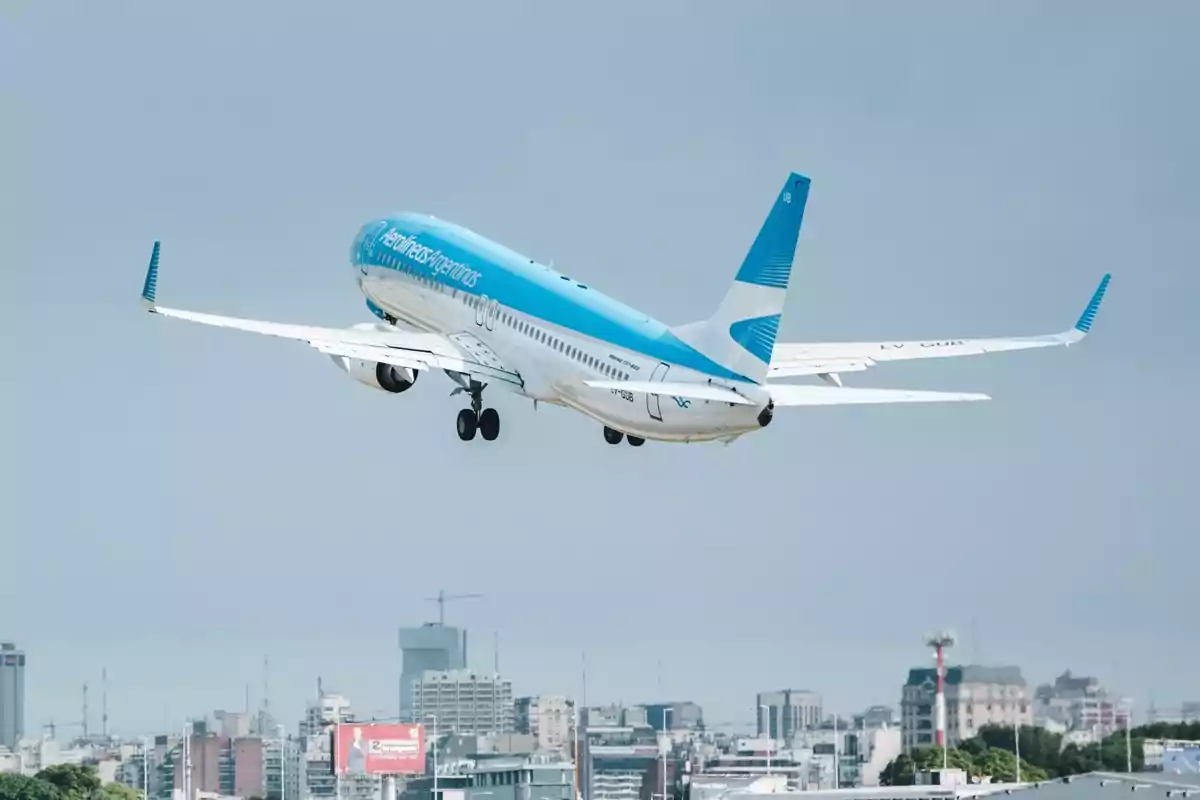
(150, 287)
(1084, 324)
(1089, 314)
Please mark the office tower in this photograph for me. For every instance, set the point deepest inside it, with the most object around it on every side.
(432, 646)
(464, 702)
(12, 695)
(784, 713)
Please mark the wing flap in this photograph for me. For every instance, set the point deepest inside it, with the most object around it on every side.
(790, 394)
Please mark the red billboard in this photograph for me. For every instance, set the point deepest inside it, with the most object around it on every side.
(373, 748)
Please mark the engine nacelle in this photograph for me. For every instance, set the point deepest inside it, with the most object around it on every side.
(385, 377)
(767, 414)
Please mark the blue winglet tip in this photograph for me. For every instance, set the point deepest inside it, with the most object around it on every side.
(1089, 314)
(150, 287)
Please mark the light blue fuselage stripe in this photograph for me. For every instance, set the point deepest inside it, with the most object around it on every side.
(516, 282)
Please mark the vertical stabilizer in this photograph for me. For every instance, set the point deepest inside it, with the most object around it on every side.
(741, 334)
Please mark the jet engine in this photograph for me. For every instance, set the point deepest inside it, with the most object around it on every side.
(767, 414)
(385, 377)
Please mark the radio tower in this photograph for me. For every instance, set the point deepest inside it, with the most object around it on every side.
(939, 642)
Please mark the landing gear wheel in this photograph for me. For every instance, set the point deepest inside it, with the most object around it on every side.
(489, 424)
(635, 441)
(611, 436)
(467, 423)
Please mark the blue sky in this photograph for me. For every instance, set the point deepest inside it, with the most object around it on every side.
(180, 501)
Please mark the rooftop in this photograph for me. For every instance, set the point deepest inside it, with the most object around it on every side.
(970, 673)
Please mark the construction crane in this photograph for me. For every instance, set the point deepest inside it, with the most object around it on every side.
(441, 599)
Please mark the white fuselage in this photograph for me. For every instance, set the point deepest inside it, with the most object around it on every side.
(554, 362)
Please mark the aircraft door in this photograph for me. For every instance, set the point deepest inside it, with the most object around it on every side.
(652, 400)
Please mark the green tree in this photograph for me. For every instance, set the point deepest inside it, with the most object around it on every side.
(1076, 760)
(1001, 765)
(22, 787)
(119, 791)
(72, 781)
(1039, 747)
(903, 770)
(1189, 731)
(899, 772)
(976, 758)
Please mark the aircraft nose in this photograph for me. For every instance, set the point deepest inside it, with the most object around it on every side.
(367, 234)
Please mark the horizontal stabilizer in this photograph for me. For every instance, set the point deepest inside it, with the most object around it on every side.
(790, 394)
(818, 366)
(694, 391)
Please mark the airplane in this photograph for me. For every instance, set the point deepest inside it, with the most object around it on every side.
(447, 298)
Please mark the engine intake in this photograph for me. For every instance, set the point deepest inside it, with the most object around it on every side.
(377, 375)
(394, 379)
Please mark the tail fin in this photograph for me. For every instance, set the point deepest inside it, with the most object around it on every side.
(741, 334)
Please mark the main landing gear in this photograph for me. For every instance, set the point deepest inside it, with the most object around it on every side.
(477, 418)
(614, 437)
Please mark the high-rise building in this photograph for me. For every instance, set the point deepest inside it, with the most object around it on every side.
(975, 696)
(465, 702)
(679, 716)
(783, 713)
(318, 780)
(432, 646)
(234, 724)
(12, 695)
(241, 766)
(1080, 703)
(548, 719)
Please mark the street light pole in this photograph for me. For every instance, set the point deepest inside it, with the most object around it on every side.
(1128, 744)
(1017, 745)
(667, 745)
(766, 712)
(435, 749)
(145, 768)
(837, 760)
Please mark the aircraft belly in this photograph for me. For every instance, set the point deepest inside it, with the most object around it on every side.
(686, 421)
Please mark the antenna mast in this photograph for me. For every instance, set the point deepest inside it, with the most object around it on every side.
(85, 712)
(939, 642)
(104, 702)
(266, 698)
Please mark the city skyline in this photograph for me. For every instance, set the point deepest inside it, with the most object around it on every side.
(975, 168)
(718, 717)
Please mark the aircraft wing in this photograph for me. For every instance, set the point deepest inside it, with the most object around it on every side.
(830, 358)
(786, 394)
(462, 352)
(791, 394)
